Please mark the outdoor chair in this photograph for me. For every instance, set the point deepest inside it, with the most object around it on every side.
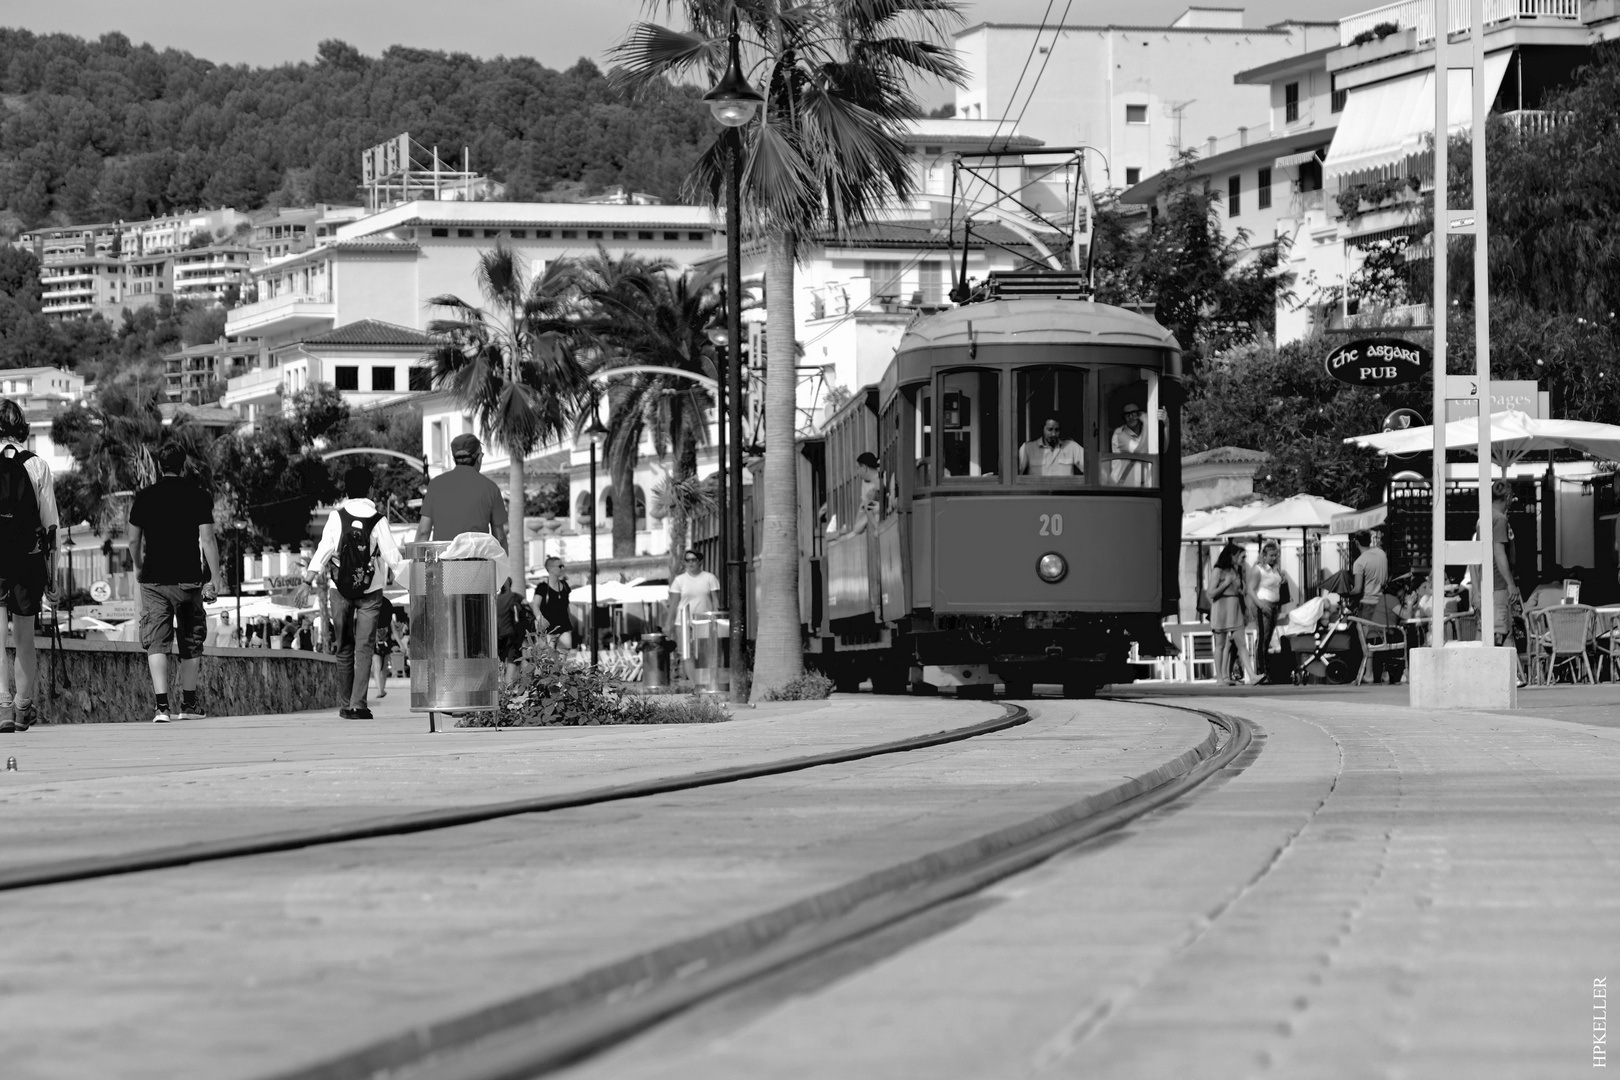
(1538, 646)
(1608, 646)
(1569, 636)
(1200, 655)
(1376, 638)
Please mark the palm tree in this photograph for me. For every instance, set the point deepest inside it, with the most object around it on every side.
(827, 153)
(656, 318)
(513, 365)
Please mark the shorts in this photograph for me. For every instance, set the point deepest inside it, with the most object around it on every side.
(164, 605)
(23, 586)
(509, 648)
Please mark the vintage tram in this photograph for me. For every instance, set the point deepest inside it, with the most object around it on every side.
(983, 549)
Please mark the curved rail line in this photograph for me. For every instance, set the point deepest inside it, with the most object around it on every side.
(104, 866)
(548, 1029)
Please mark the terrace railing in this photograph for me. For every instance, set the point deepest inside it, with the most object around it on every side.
(1419, 15)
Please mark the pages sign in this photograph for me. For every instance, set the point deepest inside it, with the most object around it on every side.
(1378, 362)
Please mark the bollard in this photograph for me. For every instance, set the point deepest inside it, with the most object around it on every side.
(11, 764)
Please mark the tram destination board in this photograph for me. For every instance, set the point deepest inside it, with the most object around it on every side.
(1378, 362)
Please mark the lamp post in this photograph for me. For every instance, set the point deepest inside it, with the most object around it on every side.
(718, 337)
(593, 436)
(733, 103)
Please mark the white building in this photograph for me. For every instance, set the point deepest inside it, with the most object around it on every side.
(1139, 94)
(43, 392)
(1348, 118)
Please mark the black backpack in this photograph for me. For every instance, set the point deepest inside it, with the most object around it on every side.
(19, 506)
(355, 568)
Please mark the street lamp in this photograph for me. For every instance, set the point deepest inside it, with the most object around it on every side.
(733, 103)
(593, 437)
(718, 336)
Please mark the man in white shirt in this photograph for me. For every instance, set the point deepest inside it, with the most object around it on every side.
(1052, 454)
(357, 605)
(1129, 438)
(27, 566)
(694, 592)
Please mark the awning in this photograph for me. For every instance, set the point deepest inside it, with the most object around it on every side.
(1293, 160)
(1385, 123)
(1370, 518)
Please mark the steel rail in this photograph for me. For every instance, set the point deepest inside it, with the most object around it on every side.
(539, 1032)
(105, 866)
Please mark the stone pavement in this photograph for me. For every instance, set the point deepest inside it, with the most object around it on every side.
(244, 967)
(1376, 893)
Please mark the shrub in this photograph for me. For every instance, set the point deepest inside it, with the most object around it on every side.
(1377, 33)
(554, 690)
(811, 686)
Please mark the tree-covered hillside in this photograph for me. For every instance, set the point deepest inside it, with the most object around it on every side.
(103, 130)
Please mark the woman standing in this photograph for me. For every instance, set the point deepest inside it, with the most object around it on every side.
(1266, 587)
(1227, 617)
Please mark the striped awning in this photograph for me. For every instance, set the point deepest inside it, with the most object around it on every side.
(1295, 160)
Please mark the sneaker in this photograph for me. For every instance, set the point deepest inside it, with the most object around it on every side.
(7, 727)
(194, 712)
(26, 717)
(161, 718)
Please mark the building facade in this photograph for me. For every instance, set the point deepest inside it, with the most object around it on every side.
(1138, 94)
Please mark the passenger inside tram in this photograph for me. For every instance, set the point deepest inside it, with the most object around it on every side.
(870, 508)
(1130, 438)
(1052, 403)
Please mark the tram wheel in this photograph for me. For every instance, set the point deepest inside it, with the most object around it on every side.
(846, 681)
(976, 691)
(886, 681)
(1020, 688)
(1079, 690)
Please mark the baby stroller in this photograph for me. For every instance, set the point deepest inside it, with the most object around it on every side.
(1320, 641)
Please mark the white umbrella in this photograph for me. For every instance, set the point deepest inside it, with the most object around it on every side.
(1201, 525)
(1513, 435)
(1305, 512)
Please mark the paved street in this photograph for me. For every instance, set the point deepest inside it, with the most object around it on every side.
(1368, 892)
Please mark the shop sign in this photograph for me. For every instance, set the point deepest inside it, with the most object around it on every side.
(1378, 362)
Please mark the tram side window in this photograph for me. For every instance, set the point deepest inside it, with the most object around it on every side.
(1128, 398)
(970, 423)
(1051, 421)
(922, 451)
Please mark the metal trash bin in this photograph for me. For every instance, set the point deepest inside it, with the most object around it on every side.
(711, 640)
(655, 653)
(454, 663)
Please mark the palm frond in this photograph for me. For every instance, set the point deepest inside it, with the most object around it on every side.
(650, 53)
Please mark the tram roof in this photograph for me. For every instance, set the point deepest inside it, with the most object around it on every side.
(1037, 321)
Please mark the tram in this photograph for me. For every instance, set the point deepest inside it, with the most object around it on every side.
(1019, 528)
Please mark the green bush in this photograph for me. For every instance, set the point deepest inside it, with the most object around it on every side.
(554, 690)
(811, 686)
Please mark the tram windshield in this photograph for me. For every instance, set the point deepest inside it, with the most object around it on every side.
(969, 415)
(1087, 425)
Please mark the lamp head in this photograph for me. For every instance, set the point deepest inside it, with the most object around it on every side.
(593, 434)
(733, 102)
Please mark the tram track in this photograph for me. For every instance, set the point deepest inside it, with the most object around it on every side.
(90, 868)
(547, 1029)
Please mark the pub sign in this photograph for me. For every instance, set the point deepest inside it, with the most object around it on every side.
(1378, 362)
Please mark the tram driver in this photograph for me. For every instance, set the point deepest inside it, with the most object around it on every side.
(1052, 454)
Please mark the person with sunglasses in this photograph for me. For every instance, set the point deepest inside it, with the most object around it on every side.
(1129, 438)
(694, 593)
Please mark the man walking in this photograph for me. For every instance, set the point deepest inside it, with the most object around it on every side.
(361, 550)
(28, 523)
(463, 499)
(170, 523)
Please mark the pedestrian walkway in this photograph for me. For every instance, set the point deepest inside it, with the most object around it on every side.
(207, 971)
(1378, 892)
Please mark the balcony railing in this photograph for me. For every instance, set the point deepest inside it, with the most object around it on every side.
(1419, 15)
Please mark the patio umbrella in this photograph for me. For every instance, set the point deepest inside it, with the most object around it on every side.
(1203, 525)
(1307, 513)
(1513, 435)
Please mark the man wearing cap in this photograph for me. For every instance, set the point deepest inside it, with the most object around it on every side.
(463, 499)
(1129, 438)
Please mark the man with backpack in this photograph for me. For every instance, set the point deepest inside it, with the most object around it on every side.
(28, 523)
(358, 550)
(171, 534)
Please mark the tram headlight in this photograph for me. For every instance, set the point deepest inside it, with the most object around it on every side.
(1052, 567)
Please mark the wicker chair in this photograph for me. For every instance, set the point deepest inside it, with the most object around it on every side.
(1569, 636)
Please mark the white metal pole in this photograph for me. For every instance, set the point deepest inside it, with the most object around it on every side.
(1482, 335)
(1437, 541)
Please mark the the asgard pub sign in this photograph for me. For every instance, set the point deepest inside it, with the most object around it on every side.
(1378, 362)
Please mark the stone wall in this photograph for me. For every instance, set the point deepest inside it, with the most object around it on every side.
(108, 682)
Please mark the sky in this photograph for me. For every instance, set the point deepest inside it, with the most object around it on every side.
(556, 32)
